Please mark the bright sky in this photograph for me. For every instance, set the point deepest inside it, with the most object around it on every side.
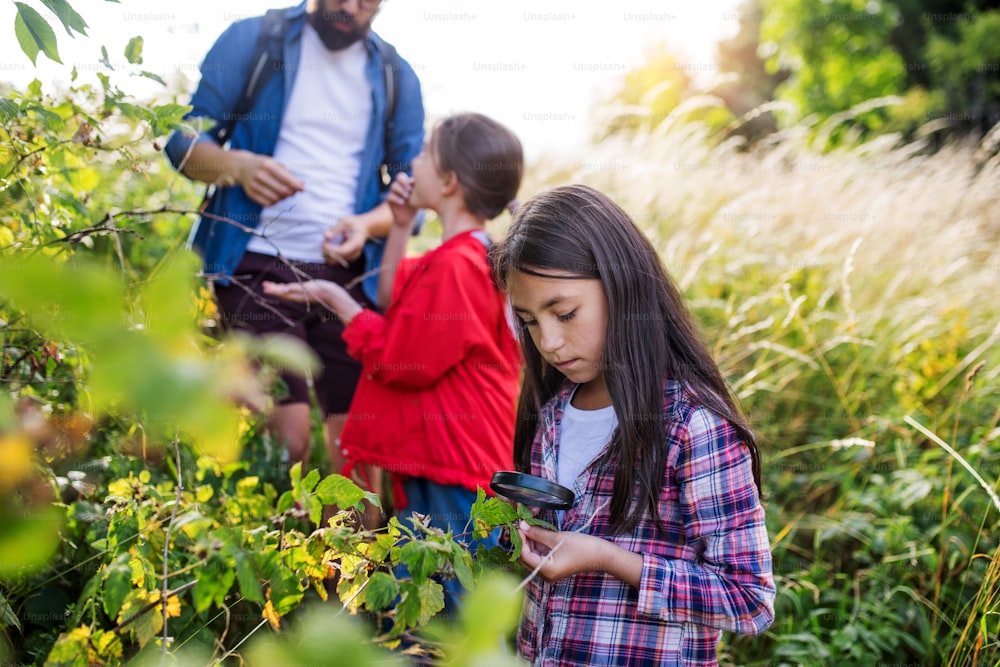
(536, 65)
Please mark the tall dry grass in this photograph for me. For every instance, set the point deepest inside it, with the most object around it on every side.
(843, 291)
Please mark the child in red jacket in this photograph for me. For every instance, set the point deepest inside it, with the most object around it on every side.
(436, 401)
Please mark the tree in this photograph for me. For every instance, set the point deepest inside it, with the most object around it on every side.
(648, 94)
(835, 50)
(750, 84)
(936, 55)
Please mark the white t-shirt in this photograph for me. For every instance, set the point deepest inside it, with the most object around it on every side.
(321, 141)
(583, 436)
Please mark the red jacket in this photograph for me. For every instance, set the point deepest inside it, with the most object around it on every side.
(440, 372)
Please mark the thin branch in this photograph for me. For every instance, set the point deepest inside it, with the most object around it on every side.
(166, 547)
(21, 158)
(177, 591)
(260, 301)
(348, 601)
(241, 642)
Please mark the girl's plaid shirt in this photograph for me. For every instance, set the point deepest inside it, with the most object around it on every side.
(706, 570)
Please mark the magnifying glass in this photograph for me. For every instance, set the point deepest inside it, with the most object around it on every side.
(531, 490)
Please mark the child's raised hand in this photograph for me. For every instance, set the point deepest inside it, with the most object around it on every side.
(299, 292)
(399, 195)
(324, 292)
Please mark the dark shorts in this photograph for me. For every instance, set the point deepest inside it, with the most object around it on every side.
(242, 305)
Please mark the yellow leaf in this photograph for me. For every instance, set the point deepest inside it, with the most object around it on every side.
(272, 616)
(174, 606)
(16, 457)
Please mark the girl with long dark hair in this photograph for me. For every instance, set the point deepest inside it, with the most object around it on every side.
(665, 546)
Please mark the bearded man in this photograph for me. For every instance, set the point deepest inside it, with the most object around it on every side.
(300, 181)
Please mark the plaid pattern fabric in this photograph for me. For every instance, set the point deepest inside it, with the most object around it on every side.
(708, 569)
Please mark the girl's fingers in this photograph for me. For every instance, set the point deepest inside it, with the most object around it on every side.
(528, 557)
(541, 535)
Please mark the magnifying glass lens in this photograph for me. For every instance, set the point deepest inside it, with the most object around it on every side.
(531, 490)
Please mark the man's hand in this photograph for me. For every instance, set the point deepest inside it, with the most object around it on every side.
(265, 180)
(345, 240)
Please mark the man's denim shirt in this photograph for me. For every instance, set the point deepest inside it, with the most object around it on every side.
(223, 77)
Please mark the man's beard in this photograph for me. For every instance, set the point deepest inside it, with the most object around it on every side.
(325, 23)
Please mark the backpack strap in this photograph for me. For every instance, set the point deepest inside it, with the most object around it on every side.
(390, 74)
(268, 58)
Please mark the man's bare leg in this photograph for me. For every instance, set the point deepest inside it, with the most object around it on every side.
(291, 426)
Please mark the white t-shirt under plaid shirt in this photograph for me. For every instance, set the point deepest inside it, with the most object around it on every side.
(585, 434)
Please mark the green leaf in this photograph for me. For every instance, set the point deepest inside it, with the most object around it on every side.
(517, 543)
(133, 50)
(148, 626)
(7, 616)
(137, 112)
(8, 110)
(420, 558)
(117, 584)
(431, 600)
(535, 521)
(70, 19)
(409, 607)
(461, 561)
(214, 582)
(34, 34)
(488, 513)
(295, 475)
(342, 492)
(285, 502)
(378, 550)
(315, 508)
(285, 591)
(347, 590)
(382, 589)
(8, 419)
(154, 77)
(247, 577)
(170, 113)
(310, 481)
